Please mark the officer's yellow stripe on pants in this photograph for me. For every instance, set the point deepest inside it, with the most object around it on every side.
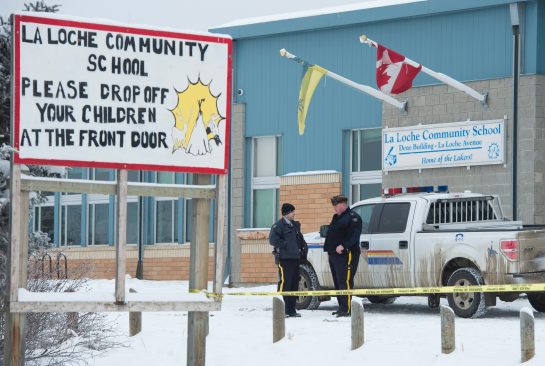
(348, 278)
(281, 278)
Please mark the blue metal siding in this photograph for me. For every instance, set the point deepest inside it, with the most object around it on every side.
(370, 15)
(465, 45)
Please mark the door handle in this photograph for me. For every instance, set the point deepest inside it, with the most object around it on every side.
(364, 245)
(403, 244)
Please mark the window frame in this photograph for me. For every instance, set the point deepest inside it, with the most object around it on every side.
(174, 214)
(37, 218)
(357, 178)
(258, 183)
(66, 200)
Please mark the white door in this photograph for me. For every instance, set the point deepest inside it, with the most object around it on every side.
(388, 257)
(366, 212)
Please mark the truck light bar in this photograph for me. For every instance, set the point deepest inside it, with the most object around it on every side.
(423, 189)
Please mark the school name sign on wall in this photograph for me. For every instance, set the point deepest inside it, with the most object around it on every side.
(443, 145)
(115, 96)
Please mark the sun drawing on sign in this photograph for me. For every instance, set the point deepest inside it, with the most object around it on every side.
(197, 119)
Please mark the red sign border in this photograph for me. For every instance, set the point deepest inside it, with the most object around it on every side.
(120, 29)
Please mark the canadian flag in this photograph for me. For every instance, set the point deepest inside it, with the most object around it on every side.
(394, 76)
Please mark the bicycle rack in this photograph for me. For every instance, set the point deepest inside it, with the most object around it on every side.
(47, 255)
(59, 256)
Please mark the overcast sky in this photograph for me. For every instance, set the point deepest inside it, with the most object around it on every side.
(181, 14)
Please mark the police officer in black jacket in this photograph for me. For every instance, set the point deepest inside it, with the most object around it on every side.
(290, 248)
(342, 245)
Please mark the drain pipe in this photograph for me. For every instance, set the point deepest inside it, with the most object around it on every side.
(515, 10)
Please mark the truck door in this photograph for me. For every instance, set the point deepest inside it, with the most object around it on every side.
(389, 252)
(361, 279)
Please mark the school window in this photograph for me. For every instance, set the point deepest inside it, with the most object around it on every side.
(71, 212)
(75, 173)
(101, 174)
(98, 222)
(71, 222)
(366, 164)
(133, 210)
(133, 176)
(44, 220)
(265, 181)
(166, 228)
(132, 222)
(166, 213)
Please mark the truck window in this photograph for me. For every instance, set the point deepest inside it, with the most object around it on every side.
(393, 218)
(366, 212)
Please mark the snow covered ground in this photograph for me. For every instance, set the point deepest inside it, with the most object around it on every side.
(404, 333)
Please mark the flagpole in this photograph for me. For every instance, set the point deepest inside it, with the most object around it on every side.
(402, 106)
(483, 98)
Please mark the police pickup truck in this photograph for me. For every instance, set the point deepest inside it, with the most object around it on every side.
(433, 239)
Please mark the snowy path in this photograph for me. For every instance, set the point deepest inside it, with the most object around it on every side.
(404, 333)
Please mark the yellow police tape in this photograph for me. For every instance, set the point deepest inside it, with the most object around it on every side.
(388, 291)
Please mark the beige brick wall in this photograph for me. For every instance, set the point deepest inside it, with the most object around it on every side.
(161, 262)
(258, 268)
(256, 260)
(310, 194)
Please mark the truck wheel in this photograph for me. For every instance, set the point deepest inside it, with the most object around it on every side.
(466, 304)
(537, 300)
(382, 299)
(308, 282)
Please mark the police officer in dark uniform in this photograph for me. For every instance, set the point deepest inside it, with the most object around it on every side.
(342, 246)
(290, 248)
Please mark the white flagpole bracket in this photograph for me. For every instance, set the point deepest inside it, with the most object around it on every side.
(402, 106)
(483, 98)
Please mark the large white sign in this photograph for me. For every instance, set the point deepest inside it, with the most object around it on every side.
(115, 96)
(443, 145)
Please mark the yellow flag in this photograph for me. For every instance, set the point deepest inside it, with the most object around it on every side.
(308, 85)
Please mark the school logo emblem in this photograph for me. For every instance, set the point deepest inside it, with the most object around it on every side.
(196, 120)
(391, 158)
(493, 151)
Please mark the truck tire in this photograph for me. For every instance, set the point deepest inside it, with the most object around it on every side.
(467, 304)
(537, 300)
(382, 299)
(308, 282)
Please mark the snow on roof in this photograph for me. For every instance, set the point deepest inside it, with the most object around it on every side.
(311, 172)
(315, 12)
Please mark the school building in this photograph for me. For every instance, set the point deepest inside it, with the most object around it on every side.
(341, 150)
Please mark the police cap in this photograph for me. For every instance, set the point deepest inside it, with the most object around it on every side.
(335, 200)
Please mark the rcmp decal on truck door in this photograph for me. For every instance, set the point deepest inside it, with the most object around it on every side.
(383, 257)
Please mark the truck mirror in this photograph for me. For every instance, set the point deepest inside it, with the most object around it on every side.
(323, 230)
